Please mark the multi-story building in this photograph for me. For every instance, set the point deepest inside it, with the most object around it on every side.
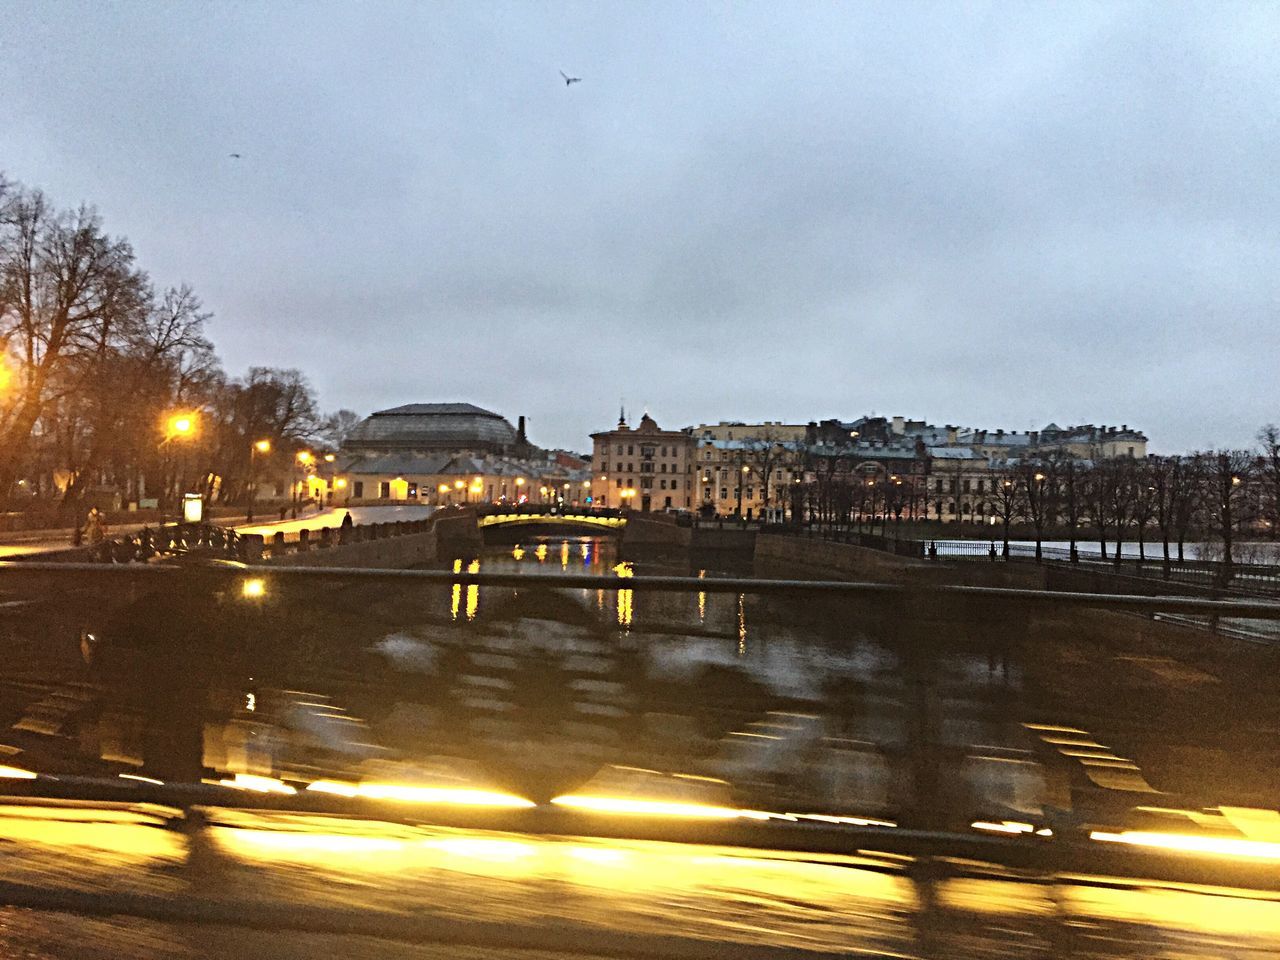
(953, 469)
(451, 453)
(646, 468)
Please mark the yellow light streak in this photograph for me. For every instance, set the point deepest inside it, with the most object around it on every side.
(1005, 826)
(656, 808)
(405, 793)
(257, 784)
(15, 773)
(141, 779)
(1187, 843)
(850, 821)
(473, 591)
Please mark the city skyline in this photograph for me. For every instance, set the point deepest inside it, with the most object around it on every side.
(1015, 217)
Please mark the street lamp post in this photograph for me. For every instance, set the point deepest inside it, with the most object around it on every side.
(257, 447)
(300, 464)
(178, 426)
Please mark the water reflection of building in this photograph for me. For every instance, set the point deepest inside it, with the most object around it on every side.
(446, 453)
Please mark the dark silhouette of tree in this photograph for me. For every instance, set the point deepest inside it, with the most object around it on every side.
(1008, 503)
(1269, 476)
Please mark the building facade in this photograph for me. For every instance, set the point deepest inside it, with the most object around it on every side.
(452, 453)
(645, 468)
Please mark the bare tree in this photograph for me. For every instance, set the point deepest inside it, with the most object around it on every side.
(1038, 483)
(1143, 486)
(337, 426)
(1071, 477)
(1007, 501)
(69, 293)
(1097, 499)
(1269, 475)
(1228, 502)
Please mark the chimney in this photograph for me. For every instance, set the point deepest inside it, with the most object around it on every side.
(951, 433)
(899, 425)
(521, 436)
(1124, 428)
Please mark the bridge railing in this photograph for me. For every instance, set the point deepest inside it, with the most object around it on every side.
(280, 544)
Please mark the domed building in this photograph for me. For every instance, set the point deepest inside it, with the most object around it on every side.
(425, 428)
(447, 453)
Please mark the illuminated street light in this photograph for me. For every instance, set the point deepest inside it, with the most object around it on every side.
(1040, 477)
(329, 458)
(180, 425)
(443, 488)
(340, 483)
(305, 456)
(458, 484)
(259, 446)
(519, 481)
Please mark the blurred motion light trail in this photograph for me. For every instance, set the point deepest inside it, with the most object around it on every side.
(410, 794)
(1214, 846)
(659, 808)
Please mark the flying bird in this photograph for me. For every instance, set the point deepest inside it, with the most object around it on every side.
(568, 79)
(234, 156)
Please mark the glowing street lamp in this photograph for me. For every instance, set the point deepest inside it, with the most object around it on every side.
(180, 425)
(257, 447)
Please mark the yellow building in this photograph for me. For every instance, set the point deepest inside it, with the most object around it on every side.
(642, 469)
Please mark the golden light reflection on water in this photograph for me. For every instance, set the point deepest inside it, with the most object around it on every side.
(702, 599)
(473, 591)
(624, 602)
(517, 553)
(541, 552)
(742, 624)
(564, 555)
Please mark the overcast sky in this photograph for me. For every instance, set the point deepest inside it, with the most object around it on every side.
(987, 214)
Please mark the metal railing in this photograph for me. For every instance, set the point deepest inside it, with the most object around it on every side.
(779, 833)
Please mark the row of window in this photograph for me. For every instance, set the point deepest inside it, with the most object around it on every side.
(646, 483)
(648, 451)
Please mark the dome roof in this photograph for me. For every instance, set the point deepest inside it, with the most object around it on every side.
(432, 426)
